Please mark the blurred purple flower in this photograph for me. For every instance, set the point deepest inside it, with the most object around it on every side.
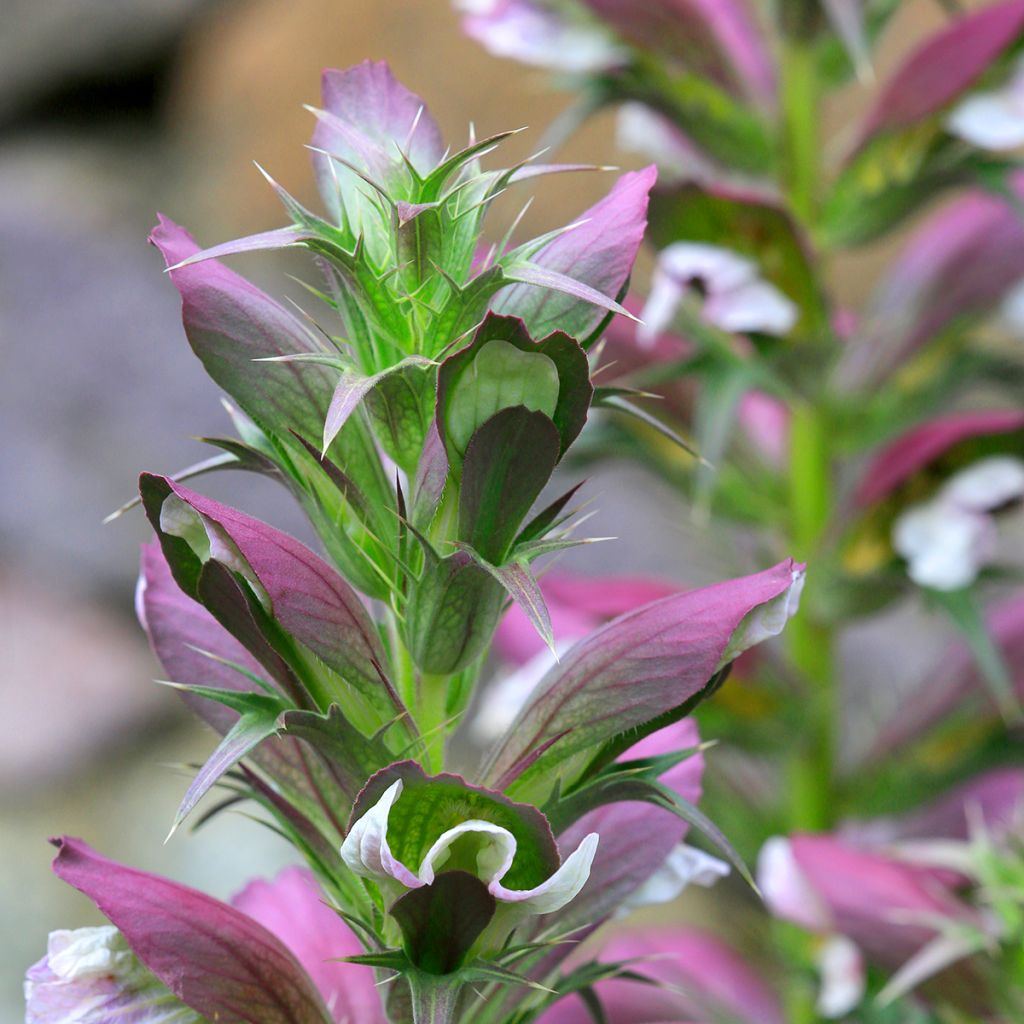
(944, 67)
(716, 38)
(700, 978)
(958, 264)
(535, 33)
(955, 683)
(911, 452)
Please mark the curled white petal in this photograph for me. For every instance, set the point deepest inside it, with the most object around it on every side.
(366, 851)
(560, 888)
(493, 859)
(992, 119)
(843, 980)
(685, 865)
(544, 38)
(88, 952)
(718, 270)
(660, 308)
(91, 976)
(1012, 311)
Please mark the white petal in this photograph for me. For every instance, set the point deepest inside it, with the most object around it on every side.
(684, 866)
(88, 952)
(989, 120)
(366, 851)
(987, 484)
(560, 888)
(787, 892)
(660, 308)
(754, 306)
(841, 967)
(493, 860)
(944, 544)
(767, 620)
(718, 269)
(1012, 311)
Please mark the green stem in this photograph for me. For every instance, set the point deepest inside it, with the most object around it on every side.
(800, 120)
(811, 767)
(432, 716)
(434, 997)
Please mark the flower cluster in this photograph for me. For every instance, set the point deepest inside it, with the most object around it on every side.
(417, 415)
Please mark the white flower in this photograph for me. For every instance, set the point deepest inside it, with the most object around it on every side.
(367, 853)
(91, 976)
(685, 865)
(947, 541)
(843, 978)
(944, 545)
(736, 298)
(992, 120)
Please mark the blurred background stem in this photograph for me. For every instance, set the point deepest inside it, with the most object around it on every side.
(809, 782)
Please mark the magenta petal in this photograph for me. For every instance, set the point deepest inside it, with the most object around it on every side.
(703, 980)
(718, 38)
(309, 599)
(292, 908)
(666, 651)
(230, 323)
(870, 896)
(599, 253)
(944, 67)
(372, 119)
(959, 263)
(912, 451)
(214, 958)
(578, 605)
(179, 629)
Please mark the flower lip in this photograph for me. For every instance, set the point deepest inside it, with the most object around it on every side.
(368, 852)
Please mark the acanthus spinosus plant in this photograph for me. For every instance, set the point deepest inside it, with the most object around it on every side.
(885, 444)
(416, 416)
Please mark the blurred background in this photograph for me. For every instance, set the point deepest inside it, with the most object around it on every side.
(111, 110)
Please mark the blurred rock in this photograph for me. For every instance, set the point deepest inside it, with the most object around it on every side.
(77, 681)
(46, 46)
(99, 381)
